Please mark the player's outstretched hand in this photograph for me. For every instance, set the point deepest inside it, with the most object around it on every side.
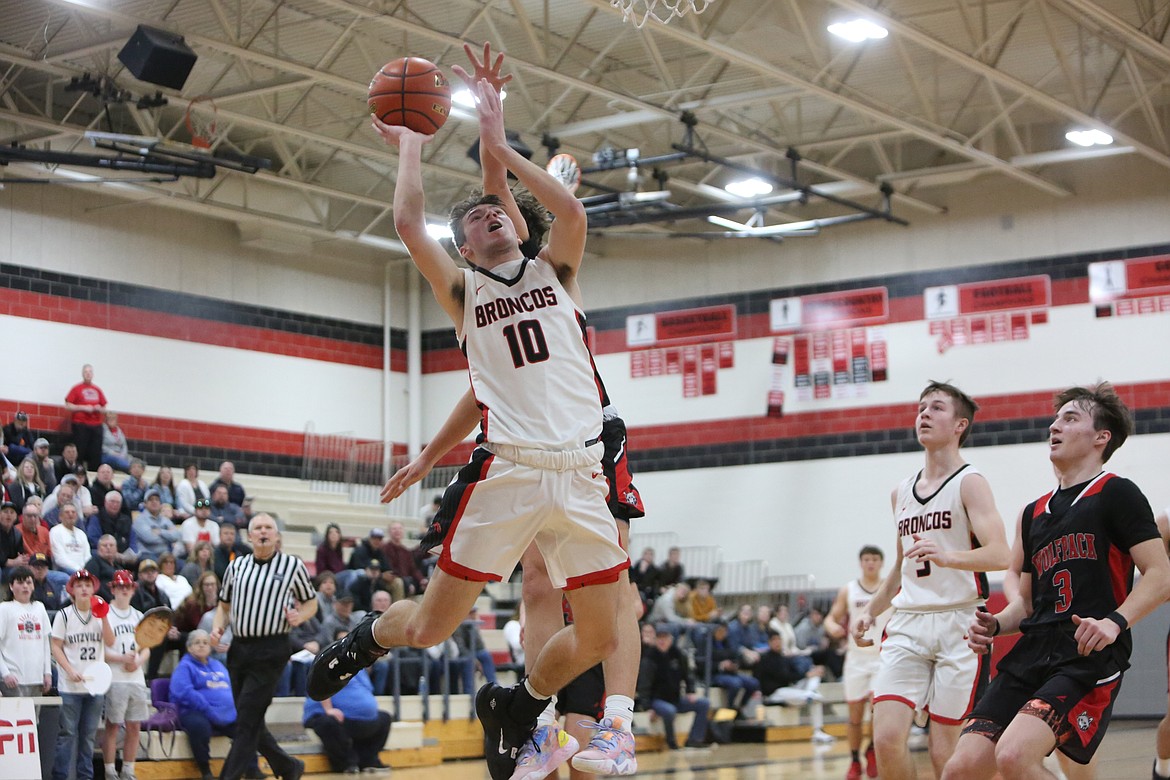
(1093, 634)
(981, 632)
(491, 116)
(394, 135)
(863, 624)
(927, 550)
(482, 70)
(403, 478)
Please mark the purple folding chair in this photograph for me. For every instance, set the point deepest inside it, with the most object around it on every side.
(165, 719)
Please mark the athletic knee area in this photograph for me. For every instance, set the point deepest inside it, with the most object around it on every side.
(421, 635)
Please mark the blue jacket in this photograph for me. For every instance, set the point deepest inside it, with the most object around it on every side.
(204, 688)
(356, 700)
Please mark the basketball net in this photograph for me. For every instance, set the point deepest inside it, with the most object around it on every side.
(662, 11)
(201, 119)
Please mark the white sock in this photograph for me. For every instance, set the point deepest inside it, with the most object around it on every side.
(816, 713)
(549, 716)
(535, 693)
(1162, 766)
(617, 706)
(111, 770)
(128, 766)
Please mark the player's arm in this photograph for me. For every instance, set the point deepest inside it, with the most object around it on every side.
(992, 554)
(1163, 523)
(462, 421)
(836, 620)
(885, 593)
(566, 237)
(410, 220)
(495, 173)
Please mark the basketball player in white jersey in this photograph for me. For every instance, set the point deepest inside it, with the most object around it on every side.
(861, 663)
(126, 700)
(537, 474)
(949, 533)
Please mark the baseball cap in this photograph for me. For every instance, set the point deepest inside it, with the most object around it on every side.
(152, 493)
(41, 443)
(202, 503)
(123, 578)
(38, 559)
(8, 505)
(69, 478)
(345, 597)
(377, 532)
(374, 564)
(147, 563)
(22, 415)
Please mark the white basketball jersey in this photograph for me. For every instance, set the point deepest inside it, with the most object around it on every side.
(83, 644)
(859, 599)
(531, 371)
(943, 518)
(123, 626)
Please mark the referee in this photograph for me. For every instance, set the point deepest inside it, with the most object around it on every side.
(264, 595)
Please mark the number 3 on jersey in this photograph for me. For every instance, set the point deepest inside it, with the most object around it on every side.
(526, 342)
(1062, 581)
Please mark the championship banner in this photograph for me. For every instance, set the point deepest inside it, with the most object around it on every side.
(694, 343)
(986, 312)
(20, 750)
(1130, 287)
(867, 306)
(685, 326)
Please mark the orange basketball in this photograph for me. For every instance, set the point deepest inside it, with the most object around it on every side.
(411, 92)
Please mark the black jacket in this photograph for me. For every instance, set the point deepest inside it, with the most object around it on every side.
(104, 571)
(19, 492)
(117, 526)
(364, 552)
(664, 675)
(144, 598)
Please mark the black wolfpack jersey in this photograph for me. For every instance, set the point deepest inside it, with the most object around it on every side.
(1076, 544)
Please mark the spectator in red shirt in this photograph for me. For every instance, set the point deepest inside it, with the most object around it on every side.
(87, 402)
(401, 560)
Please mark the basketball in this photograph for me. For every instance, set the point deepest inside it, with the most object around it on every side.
(411, 92)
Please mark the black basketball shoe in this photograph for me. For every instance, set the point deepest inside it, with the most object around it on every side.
(333, 667)
(502, 735)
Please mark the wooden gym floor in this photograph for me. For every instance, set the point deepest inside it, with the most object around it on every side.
(1128, 752)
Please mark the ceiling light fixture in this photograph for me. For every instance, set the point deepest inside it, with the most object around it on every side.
(858, 30)
(749, 188)
(439, 232)
(463, 97)
(1089, 137)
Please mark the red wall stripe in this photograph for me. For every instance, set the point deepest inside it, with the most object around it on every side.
(54, 308)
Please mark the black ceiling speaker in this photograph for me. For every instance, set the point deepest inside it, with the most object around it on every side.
(158, 57)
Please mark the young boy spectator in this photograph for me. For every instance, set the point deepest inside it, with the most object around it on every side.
(25, 667)
(79, 636)
(126, 699)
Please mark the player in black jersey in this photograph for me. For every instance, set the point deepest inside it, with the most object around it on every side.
(1076, 548)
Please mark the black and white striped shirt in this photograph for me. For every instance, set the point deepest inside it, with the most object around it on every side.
(258, 593)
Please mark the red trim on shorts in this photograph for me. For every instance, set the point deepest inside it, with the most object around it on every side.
(946, 721)
(445, 563)
(983, 658)
(894, 697)
(464, 572)
(603, 577)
